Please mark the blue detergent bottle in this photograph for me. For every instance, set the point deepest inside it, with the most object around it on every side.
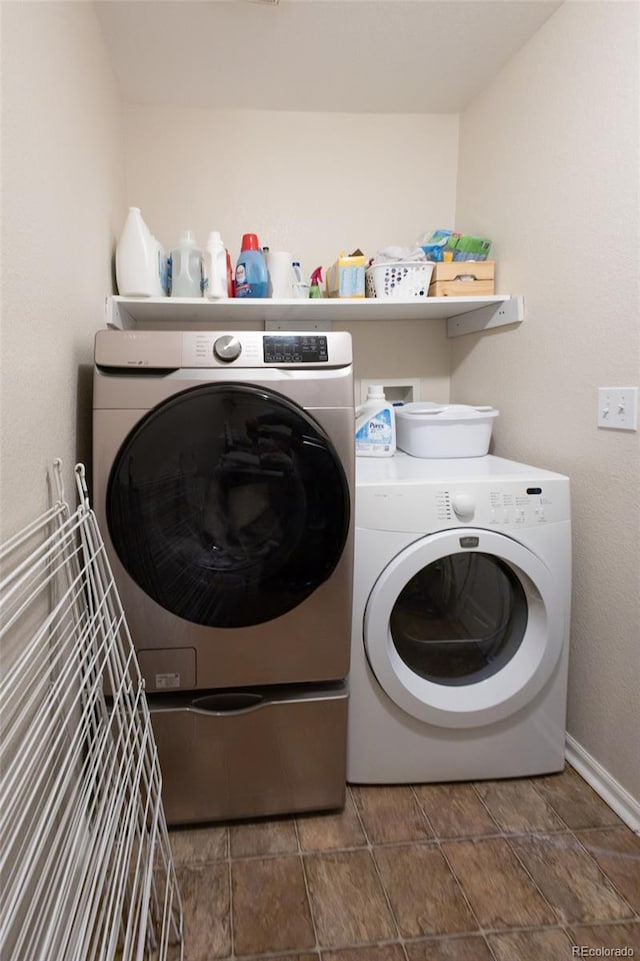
(251, 269)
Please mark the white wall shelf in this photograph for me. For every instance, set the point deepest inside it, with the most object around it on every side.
(464, 315)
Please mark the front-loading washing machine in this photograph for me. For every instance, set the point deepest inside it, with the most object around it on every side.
(223, 475)
(460, 636)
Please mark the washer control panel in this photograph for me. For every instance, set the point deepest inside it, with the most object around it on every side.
(175, 349)
(295, 349)
(256, 349)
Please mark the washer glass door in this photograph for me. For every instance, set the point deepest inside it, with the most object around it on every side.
(463, 627)
(228, 505)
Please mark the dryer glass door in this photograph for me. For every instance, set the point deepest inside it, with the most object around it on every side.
(228, 505)
(460, 619)
(464, 627)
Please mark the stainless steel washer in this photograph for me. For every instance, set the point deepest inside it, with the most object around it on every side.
(223, 478)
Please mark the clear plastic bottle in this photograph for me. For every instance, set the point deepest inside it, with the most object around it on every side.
(186, 267)
(375, 425)
(161, 273)
(251, 270)
(215, 268)
(300, 287)
(231, 287)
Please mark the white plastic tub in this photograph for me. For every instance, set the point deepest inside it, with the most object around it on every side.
(444, 430)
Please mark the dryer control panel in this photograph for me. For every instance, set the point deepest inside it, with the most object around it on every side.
(534, 504)
(510, 506)
(526, 506)
(521, 506)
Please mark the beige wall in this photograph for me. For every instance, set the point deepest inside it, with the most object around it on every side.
(549, 167)
(308, 183)
(312, 184)
(62, 201)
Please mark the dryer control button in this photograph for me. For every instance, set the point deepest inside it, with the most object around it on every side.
(463, 505)
(227, 348)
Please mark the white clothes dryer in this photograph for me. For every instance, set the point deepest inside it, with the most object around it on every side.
(461, 609)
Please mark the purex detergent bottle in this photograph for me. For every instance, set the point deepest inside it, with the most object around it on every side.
(375, 425)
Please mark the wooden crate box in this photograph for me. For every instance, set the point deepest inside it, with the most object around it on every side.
(463, 278)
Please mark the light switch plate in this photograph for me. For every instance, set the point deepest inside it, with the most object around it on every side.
(618, 408)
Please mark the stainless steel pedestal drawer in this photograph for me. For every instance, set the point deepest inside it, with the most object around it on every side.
(251, 753)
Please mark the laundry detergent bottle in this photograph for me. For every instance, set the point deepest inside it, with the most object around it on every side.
(215, 281)
(375, 425)
(141, 266)
(251, 269)
(186, 267)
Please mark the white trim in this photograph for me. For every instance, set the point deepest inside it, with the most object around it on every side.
(604, 784)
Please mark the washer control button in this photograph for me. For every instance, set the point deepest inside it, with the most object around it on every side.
(227, 348)
(463, 506)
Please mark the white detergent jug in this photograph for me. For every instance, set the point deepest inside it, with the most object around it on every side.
(186, 267)
(140, 261)
(215, 268)
(375, 425)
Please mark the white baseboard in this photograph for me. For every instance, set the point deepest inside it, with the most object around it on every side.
(604, 784)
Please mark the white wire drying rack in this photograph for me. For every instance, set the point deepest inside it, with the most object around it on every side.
(86, 872)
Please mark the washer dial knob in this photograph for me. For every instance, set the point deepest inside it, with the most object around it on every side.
(463, 506)
(227, 348)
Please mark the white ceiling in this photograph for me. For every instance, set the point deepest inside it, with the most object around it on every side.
(383, 56)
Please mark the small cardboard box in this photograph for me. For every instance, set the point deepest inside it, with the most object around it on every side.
(345, 278)
(463, 278)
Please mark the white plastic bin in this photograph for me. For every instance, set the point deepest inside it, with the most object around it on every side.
(444, 430)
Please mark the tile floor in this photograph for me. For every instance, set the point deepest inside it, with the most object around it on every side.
(519, 870)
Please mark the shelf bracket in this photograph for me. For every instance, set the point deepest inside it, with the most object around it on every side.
(112, 314)
(297, 325)
(510, 311)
